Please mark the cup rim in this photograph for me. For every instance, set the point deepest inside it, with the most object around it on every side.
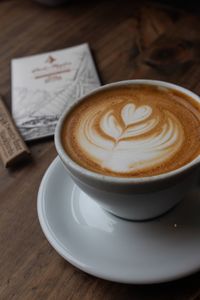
(67, 160)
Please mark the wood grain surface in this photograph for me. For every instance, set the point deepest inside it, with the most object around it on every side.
(129, 39)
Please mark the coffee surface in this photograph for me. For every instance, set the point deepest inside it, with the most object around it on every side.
(133, 131)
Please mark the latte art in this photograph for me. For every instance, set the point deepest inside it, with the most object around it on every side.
(125, 134)
(131, 143)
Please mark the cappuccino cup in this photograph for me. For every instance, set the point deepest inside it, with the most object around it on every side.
(132, 146)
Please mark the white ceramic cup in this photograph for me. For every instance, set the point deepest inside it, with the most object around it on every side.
(132, 198)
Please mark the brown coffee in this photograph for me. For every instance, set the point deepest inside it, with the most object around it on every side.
(133, 131)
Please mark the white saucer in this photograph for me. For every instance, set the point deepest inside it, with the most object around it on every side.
(103, 245)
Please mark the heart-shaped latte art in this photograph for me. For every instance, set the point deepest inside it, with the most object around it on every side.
(131, 115)
(128, 139)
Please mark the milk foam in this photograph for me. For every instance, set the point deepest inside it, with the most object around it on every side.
(136, 138)
(133, 131)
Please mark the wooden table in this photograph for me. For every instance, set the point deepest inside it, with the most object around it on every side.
(129, 39)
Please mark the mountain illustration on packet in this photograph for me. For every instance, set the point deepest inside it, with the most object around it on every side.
(43, 84)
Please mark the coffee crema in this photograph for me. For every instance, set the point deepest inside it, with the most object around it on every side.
(133, 131)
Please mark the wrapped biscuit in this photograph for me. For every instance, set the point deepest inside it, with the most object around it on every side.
(12, 147)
